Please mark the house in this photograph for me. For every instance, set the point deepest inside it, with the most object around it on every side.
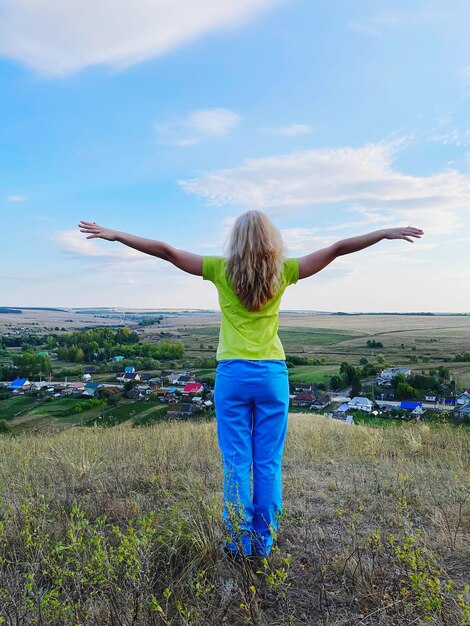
(129, 369)
(462, 411)
(40, 385)
(464, 398)
(74, 389)
(76, 385)
(166, 395)
(19, 384)
(86, 377)
(303, 399)
(180, 379)
(411, 406)
(131, 376)
(145, 378)
(111, 388)
(361, 403)
(126, 376)
(388, 374)
(116, 359)
(385, 394)
(320, 401)
(144, 389)
(193, 388)
(417, 412)
(135, 394)
(90, 389)
(342, 414)
(89, 369)
(430, 398)
(304, 388)
(343, 408)
(187, 410)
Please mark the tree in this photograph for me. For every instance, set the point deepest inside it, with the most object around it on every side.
(355, 388)
(336, 382)
(380, 359)
(31, 364)
(404, 391)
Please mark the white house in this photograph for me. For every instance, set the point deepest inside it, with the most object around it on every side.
(388, 374)
(359, 402)
(464, 397)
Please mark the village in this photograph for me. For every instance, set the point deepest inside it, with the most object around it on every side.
(182, 396)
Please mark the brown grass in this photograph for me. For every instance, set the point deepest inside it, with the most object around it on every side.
(155, 560)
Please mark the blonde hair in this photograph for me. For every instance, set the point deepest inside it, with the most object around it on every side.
(255, 257)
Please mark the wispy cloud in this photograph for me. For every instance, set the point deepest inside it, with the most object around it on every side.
(378, 24)
(292, 130)
(455, 137)
(364, 179)
(196, 126)
(55, 37)
(76, 243)
(16, 198)
(374, 25)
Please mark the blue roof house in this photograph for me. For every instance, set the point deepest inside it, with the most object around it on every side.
(129, 369)
(19, 383)
(406, 404)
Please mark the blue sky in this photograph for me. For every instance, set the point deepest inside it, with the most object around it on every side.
(169, 118)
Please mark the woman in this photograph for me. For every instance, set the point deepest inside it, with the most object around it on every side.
(251, 389)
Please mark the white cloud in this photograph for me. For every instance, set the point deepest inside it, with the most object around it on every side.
(455, 137)
(197, 125)
(213, 121)
(75, 242)
(56, 38)
(16, 198)
(293, 130)
(362, 178)
(374, 25)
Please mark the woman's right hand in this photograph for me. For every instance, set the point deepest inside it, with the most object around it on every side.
(403, 233)
(96, 231)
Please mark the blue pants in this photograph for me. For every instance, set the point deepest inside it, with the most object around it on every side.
(251, 404)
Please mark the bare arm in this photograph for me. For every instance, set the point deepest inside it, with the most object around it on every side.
(316, 261)
(186, 261)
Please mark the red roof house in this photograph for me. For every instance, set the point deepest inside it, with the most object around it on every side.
(193, 388)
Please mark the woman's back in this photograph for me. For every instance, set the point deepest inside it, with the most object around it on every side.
(246, 334)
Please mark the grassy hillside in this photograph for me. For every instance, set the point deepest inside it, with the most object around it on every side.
(122, 526)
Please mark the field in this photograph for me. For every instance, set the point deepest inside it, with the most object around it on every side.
(433, 340)
(123, 526)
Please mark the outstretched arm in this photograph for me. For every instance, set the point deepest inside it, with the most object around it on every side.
(186, 261)
(316, 261)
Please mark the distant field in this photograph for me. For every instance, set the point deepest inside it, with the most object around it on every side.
(432, 340)
(319, 374)
(313, 336)
(9, 408)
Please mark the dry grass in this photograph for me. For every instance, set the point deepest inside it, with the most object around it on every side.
(154, 560)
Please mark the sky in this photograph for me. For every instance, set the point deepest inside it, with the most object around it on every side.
(169, 118)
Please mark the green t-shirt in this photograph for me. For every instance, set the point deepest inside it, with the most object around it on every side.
(247, 334)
